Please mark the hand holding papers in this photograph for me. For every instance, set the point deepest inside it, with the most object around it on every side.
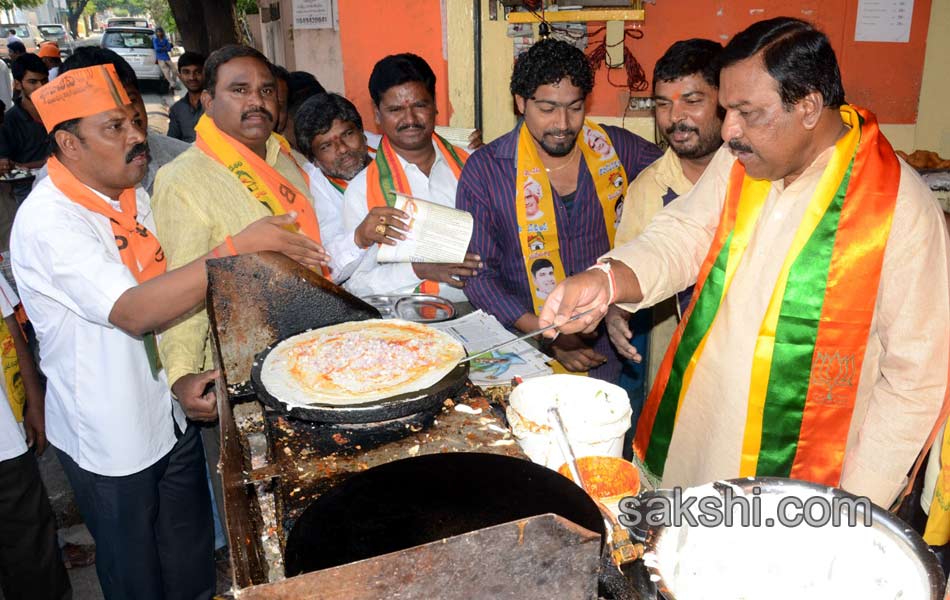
(437, 234)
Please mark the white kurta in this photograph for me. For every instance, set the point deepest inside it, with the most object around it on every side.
(103, 407)
(904, 376)
(372, 277)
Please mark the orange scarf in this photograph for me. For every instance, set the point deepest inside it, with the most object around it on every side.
(139, 249)
(264, 182)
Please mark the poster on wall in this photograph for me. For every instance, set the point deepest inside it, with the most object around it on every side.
(313, 14)
(884, 21)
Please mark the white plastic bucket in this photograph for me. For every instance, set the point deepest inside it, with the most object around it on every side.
(596, 415)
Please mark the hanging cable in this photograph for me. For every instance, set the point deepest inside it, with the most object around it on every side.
(636, 76)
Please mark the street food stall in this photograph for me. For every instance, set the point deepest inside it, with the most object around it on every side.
(288, 472)
(429, 495)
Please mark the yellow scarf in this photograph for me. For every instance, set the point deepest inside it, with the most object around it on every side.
(16, 393)
(537, 225)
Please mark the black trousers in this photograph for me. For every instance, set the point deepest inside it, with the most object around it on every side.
(153, 529)
(31, 567)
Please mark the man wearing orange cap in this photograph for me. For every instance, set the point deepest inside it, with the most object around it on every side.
(92, 276)
(49, 52)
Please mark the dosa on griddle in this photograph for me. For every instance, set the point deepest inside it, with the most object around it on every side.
(359, 362)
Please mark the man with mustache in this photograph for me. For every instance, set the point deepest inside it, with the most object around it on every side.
(330, 133)
(412, 159)
(546, 177)
(686, 92)
(236, 172)
(94, 280)
(159, 149)
(817, 341)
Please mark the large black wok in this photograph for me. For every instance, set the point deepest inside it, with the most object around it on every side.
(418, 500)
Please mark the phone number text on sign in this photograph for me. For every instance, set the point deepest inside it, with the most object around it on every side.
(313, 14)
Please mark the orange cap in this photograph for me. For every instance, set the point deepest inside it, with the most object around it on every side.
(79, 93)
(49, 50)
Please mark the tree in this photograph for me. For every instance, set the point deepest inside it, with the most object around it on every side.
(207, 25)
(74, 10)
(11, 4)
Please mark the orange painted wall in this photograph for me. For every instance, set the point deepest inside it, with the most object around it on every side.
(884, 77)
(372, 29)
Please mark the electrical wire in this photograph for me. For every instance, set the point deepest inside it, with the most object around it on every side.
(636, 76)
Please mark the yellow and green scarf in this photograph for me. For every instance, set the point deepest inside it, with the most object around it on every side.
(538, 231)
(811, 343)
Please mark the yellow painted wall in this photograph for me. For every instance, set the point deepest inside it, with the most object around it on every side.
(931, 132)
(933, 116)
(497, 110)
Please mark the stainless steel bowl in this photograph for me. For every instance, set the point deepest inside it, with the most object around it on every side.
(424, 308)
(890, 531)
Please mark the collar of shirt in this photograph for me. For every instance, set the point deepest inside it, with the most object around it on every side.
(273, 151)
(183, 101)
(408, 166)
(670, 173)
(18, 103)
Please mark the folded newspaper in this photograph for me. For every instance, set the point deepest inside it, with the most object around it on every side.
(479, 331)
(437, 234)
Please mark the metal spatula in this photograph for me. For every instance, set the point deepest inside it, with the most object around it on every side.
(523, 337)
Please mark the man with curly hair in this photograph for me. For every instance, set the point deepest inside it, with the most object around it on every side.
(565, 174)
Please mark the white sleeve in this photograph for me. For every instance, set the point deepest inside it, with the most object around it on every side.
(369, 276)
(337, 240)
(372, 277)
(67, 262)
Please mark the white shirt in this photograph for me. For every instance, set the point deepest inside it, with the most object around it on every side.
(12, 434)
(328, 202)
(371, 277)
(6, 85)
(103, 407)
(53, 73)
(339, 244)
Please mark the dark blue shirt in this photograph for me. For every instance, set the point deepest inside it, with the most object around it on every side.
(487, 190)
(162, 48)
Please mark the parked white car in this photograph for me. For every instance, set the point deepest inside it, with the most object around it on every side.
(134, 44)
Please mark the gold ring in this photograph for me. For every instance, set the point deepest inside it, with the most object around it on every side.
(381, 229)
(382, 219)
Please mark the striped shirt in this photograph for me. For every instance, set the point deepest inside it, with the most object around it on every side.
(487, 190)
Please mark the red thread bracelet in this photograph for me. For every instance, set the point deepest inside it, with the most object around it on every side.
(230, 244)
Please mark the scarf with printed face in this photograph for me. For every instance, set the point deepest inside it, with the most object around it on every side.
(139, 249)
(385, 176)
(263, 181)
(534, 202)
(811, 342)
